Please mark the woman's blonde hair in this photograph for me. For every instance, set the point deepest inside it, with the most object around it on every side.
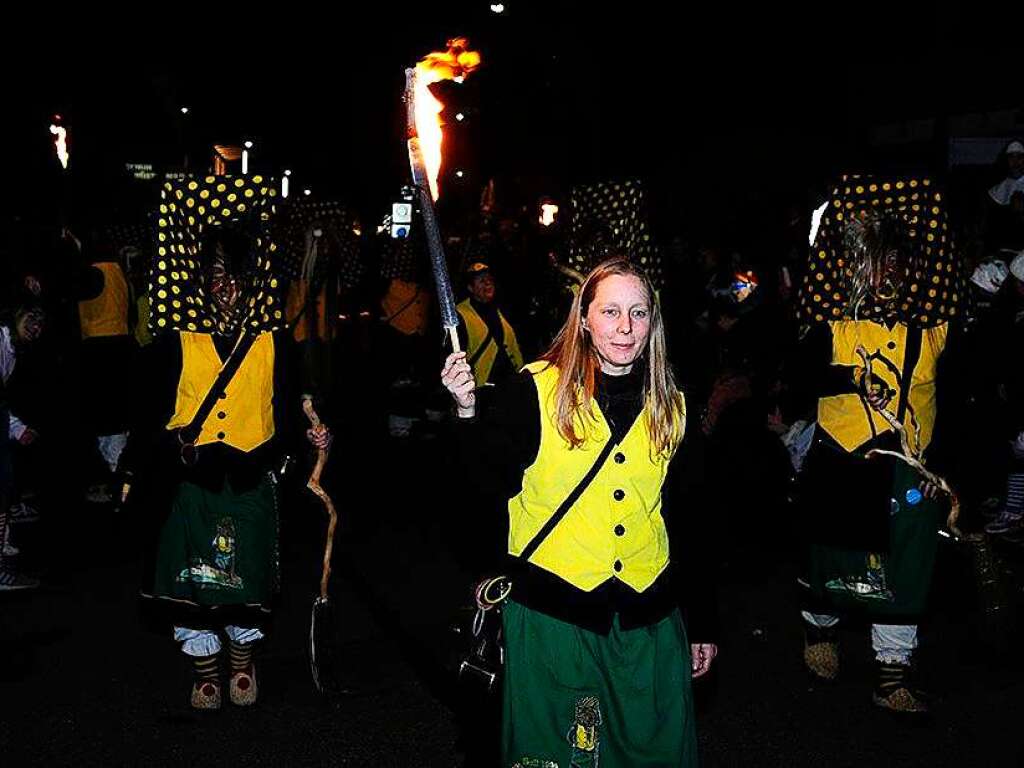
(573, 353)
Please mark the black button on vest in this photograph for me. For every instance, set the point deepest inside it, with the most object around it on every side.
(221, 415)
(617, 566)
(620, 530)
(619, 458)
(619, 494)
(220, 435)
(891, 345)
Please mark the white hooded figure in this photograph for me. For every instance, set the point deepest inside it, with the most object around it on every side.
(1003, 192)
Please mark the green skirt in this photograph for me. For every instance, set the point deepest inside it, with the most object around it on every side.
(889, 584)
(573, 698)
(219, 548)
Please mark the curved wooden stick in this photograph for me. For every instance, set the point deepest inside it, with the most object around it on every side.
(314, 485)
(909, 456)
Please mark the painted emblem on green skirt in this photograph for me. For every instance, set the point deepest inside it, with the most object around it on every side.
(869, 585)
(224, 545)
(583, 734)
(221, 573)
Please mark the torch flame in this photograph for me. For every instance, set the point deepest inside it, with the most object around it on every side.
(61, 140)
(548, 211)
(452, 64)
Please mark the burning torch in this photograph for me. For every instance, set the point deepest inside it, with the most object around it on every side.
(424, 144)
(60, 141)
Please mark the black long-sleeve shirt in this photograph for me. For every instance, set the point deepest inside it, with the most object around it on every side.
(498, 445)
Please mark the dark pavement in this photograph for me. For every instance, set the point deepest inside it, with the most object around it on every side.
(86, 679)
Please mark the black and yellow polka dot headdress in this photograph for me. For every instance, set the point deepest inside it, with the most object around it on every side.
(610, 219)
(188, 208)
(933, 291)
(338, 225)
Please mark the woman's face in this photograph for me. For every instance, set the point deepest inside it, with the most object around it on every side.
(619, 322)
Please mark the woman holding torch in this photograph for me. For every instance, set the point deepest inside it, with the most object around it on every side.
(600, 476)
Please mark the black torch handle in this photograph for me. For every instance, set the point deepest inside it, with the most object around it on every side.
(449, 317)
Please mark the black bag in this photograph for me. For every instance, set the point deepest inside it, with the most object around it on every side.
(479, 647)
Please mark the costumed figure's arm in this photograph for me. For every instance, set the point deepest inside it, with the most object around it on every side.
(151, 407)
(814, 374)
(693, 545)
(951, 392)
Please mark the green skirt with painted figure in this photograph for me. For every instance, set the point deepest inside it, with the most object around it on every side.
(219, 548)
(574, 698)
(893, 583)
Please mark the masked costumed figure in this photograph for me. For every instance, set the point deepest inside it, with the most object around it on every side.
(881, 302)
(107, 352)
(322, 260)
(215, 415)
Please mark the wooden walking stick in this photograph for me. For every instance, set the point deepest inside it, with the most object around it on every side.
(911, 455)
(322, 617)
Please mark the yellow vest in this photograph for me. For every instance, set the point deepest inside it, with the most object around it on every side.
(244, 419)
(142, 333)
(315, 314)
(847, 418)
(405, 307)
(107, 314)
(476, 332)
(615, 529)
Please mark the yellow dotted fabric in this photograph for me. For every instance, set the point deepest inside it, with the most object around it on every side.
(338, 241)
(933, 292)
(610, 219)
(187, 208)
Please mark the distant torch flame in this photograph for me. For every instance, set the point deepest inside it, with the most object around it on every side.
(61, 140)
(453, 64)
(548, 211)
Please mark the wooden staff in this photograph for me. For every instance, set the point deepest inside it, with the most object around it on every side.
(314, 485)
(322, 617)
(909, 456)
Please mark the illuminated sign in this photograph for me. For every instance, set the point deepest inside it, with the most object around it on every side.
(141, 171)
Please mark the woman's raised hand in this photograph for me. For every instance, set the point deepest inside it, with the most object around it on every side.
(457, 378)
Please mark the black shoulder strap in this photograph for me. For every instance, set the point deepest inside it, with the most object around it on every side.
(566, 505)
(911, 355)
(191, 432)
(480, 350)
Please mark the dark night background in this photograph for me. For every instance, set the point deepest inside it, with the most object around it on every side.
(715, 108)
(733, 116)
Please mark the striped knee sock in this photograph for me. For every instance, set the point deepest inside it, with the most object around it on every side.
(1015, 493)
(241, 656)
(205, 668)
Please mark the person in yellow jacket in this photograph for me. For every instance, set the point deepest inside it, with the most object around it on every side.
(491, 345)
(600, 475)
(107, 355)
(881, 303)
(215, 565)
